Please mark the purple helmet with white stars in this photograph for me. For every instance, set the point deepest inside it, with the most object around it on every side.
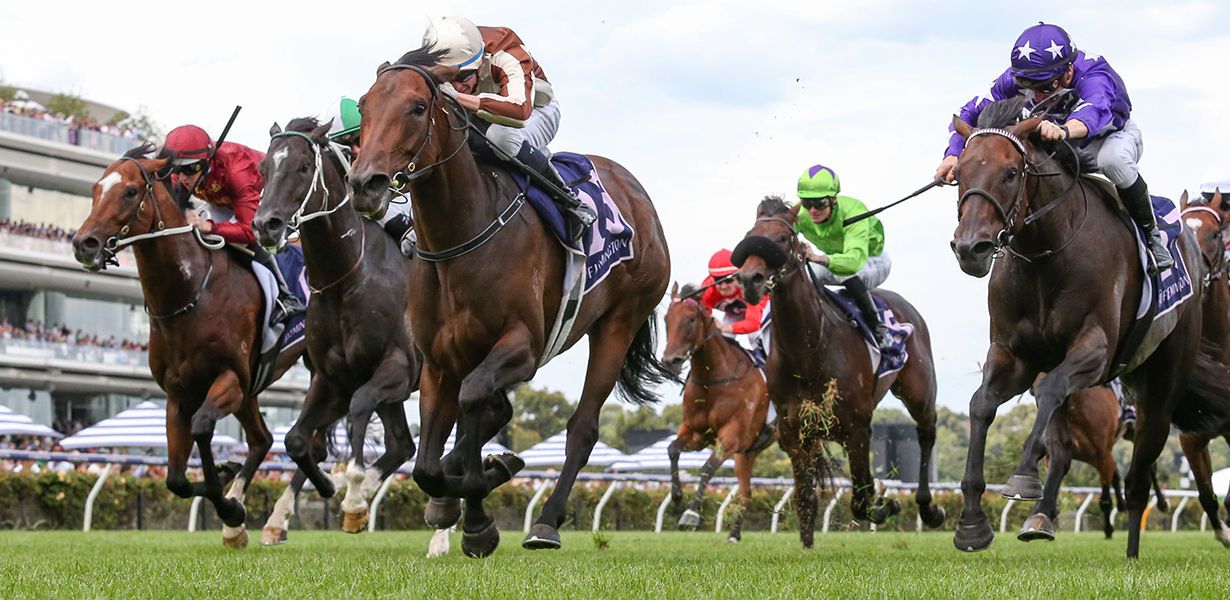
(1042, 52)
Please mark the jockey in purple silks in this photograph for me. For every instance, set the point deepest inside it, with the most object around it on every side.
(1096, 114)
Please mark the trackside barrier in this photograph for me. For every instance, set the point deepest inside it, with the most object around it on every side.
(1080, 513)
(540, 489)
(375, 507)
(616, 479)
(734, 489)
(89, 500)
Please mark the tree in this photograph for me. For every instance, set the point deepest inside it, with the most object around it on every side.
(145, 127)
(69, 105)
(538, 415)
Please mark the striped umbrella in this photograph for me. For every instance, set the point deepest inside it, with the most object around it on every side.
(142, 426)
(12, 423)
(488, 449)
(373, 447)
(655, 458)
(550, 453)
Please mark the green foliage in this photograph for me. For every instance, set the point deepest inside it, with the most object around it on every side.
(7, 93)
(68, 104)
(538, 415)
(147, 129)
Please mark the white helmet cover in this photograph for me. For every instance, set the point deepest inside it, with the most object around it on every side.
(460, 37)
(1214, 179)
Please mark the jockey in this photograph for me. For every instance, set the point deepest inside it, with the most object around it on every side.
(1097, 113)
(853, 256)
(725, 295)
(502, 84)
(344, 118)
(227, 178)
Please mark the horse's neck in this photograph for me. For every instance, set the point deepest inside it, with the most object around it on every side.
(172, 268)
(715, 357)
(334, 243)
(798, 314)
(455, 202)
(1062, 222)
(1217, 316)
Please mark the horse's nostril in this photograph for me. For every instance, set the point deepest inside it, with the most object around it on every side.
(983, 248)
(90, 243)
(757, 279)
(274, 225)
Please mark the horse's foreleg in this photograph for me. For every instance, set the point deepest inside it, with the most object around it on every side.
(275, 529)
(743, 471)
(1196, 448)
(225, 396)
(389, 382)
(1040, 524)
(321, 408)
(673, 451)
(1003, 376)
(803, 465)
(259, 441)
(438, 415)
(399, 446)
(863, 501)
(179, 449)
(1081, 368)
(691, 516)
(1107, 474)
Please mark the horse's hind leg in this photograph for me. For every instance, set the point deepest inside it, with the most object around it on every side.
(321, 408)
(259, 443)
(1040, 525)
(915, 387)
(1196, 448)
(275, 529)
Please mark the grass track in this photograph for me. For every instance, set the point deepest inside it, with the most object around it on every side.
(161, 564)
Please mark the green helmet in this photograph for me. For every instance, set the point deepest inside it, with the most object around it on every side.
(345, 116)
(819, 182)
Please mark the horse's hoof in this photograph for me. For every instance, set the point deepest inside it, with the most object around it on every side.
(937, 517)
(506, 465)
(442, 513)
(542, 537)
(482, 543)
(1023, 487)
(690, 518)
(974, 538)
(1110, 532)
(236, 517)
(733, 539)
(273, 536)
(886, 509)
(354, 522)
(1163, 505)
(237, 542)
(439, 544)
(1223, 535)
(1037, 527)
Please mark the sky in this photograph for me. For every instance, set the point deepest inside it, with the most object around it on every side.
(711, 104)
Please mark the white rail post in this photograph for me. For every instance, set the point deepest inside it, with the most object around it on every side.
(1114, 512)
(722, 509)
(657, 527)
(829, 510)
(1174, 519)
(89, 500)
(602, 503)
(1003, 517)
(1080, 513)
(192, 512)
(781, 505)
(539, 490)
(375, 507)
(1204, 520)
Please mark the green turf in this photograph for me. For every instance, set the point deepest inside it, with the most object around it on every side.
(161, 564)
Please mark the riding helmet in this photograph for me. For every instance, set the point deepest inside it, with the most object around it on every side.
(460, 37)
(819, 182)
(189, 143)
(1042, 52)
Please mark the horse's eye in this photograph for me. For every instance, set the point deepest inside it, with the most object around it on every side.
(1011, 174)
(783, 240)
(130, 191)
(420, 107)
(303, 168)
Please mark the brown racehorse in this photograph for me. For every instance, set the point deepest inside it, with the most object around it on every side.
(820, 374)
(1062, 301)
(1209, 224)
(358, 334)
(205, 339)
(725, 402)
(484, 305)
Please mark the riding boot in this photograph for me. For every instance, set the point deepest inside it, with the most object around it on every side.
(577, 216)
(862, 298)
(1136, 199)
(287, 305)
(401, 228)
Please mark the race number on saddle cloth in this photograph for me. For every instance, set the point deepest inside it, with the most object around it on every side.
(889, 360)
(604, 244)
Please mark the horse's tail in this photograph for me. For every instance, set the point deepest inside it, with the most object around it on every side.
(1205, 407)
(642, 370)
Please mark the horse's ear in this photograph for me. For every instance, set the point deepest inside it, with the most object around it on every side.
(1183, 201)
(675, 291)
(382, 67)
(961, 127)
(1026, 127)
(276, 129)
(1215, 203)
(320, 135)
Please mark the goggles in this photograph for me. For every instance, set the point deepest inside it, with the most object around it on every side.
(816, 203)
(1044, 85)
(190, 168)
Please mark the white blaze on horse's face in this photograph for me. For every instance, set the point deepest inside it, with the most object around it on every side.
(1194, 224)
(279, 156)
(108, 182)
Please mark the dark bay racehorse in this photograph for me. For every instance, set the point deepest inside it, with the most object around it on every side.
(358, 334)
(205, 313)
(483, 306)
(725, 402)
(820, 374)
(1062, 301)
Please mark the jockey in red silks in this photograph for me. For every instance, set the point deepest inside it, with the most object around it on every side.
(229, 180)
(725, 295)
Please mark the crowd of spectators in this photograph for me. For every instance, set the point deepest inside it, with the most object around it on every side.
(44, 231)
(61, 334)
(23, 106)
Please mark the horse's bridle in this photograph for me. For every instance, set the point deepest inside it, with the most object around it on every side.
(412, 171)
(318, 180)
(1214, 272)
(794, 251)
(717, 330)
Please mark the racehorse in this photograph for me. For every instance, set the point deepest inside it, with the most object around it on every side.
(1209, 225)
(1062, 301)
(205, 335)
(486, 290)
(725, 402)
(358, 334)
(821, 377)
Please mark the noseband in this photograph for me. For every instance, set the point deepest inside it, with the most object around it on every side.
(794, 252)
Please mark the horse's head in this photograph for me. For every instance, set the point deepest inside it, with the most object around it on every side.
(1209, 225)
(768, 250)
(400, 113)
(687, 325)
(991, 176)
(125, 203)
(292, 174)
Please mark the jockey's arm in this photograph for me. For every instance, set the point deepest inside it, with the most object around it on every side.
(1052, 131)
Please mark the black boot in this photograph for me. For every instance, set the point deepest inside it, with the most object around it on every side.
(862, 299)
(1136, 199)
(577, 215)
(401, 228)
(287, 305)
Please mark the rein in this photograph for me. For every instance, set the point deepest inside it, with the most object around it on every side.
(744, 361)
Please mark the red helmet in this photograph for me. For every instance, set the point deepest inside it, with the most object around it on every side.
(189, 143)
(720, 265)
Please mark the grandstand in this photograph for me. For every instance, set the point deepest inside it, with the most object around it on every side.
(71, 342)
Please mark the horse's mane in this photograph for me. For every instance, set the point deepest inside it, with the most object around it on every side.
(772, 205)
(427, 56)
(688, 289)
(303, 124)
(141, 152)
(1005, 113)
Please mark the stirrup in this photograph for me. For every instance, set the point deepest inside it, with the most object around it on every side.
(1159, 262)
(284, 311)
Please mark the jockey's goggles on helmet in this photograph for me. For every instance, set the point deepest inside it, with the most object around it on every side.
(816, 203)
(1039, 85)
(189, 167)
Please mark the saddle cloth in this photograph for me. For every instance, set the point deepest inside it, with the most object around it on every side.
(275, 339)
(886, 362)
